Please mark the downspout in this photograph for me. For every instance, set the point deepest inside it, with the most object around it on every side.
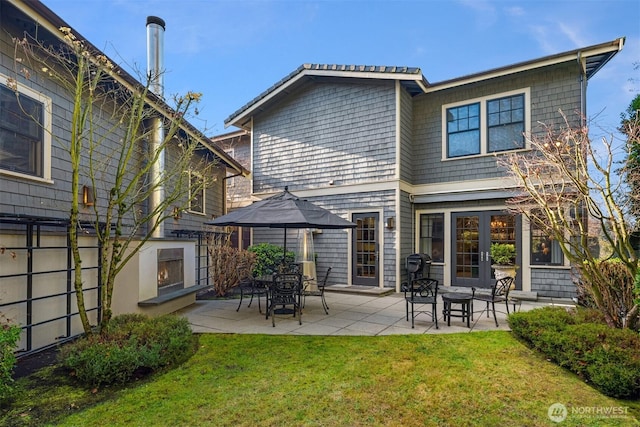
(155, 71)
(224, 191)
(583, 90)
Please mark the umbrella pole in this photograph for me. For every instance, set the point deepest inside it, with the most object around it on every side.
(284, 252)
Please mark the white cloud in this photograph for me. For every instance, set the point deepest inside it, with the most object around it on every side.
(573, 34)
(543, 38)
(514, 11)
(486, 14)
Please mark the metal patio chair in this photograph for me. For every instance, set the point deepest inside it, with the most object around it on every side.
(421, 292)
(499, 293)
(318, 293)
(286, 290)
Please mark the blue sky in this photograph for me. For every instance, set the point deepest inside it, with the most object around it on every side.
(232, 50)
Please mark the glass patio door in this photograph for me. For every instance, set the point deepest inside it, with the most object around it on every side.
(365, 249)
(473, 233)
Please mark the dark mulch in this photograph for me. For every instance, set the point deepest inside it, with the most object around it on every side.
(210, 294)
(27, 365)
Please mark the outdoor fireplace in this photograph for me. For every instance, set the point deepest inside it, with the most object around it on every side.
(170, 270)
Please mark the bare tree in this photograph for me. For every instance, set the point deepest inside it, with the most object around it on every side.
(105, 109)
(565, 185)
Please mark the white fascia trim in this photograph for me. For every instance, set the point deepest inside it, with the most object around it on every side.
(464, 186)
(328, 73)
(391, 184)
(525, 67)
(375, 75)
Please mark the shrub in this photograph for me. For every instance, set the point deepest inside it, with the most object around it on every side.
(531, 324)
(503, 253)
(131, 345)
(611, 291)
(224, 262)
(268, 258)
(9, 336)
(580, 341)
(615, 379)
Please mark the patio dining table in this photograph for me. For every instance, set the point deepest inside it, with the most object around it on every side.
(267, 282)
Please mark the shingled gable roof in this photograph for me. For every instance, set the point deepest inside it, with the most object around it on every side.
(45, 18)
(592, 59)
(409, 77)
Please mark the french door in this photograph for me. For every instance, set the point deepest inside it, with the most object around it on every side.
(365, 266)
(472, 235)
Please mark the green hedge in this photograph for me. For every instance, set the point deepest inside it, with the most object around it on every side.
(580, 340)
(130, 346)
(9, 336)
(268, 258)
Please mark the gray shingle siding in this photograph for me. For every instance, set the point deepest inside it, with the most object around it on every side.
(552, 88)
(553, 283)
(37, 198)
(406, 136)
(332, 245)
(343, 131)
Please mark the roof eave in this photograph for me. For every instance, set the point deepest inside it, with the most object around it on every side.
(606, 50)
(242, 117)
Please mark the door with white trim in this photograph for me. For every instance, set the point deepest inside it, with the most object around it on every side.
(472, 236)
(365, 265)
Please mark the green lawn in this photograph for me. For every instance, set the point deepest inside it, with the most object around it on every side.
(471, 379)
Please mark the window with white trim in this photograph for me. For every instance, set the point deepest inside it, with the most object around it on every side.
(25, 126)
(196, 193)
(432, 236)
(486, 125)
(545, 250)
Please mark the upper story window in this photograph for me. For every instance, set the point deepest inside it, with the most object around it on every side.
(25, 125)
(463, 130)
(486, 125)
(196, 193)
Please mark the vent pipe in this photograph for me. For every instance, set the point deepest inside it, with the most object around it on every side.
(155, 74)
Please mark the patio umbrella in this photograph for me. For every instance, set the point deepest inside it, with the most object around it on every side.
(284, 210)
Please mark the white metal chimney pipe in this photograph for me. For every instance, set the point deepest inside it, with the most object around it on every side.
(155, 54)
(155, 73)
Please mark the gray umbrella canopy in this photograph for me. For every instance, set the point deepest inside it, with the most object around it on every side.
(284, 210)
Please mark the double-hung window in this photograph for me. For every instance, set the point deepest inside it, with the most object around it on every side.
(486, 125)
(196, 193)
(25, 125)
(463, 130)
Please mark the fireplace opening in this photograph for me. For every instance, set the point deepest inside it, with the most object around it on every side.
(170, 270)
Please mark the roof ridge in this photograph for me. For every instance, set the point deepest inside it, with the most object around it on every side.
(401, 69)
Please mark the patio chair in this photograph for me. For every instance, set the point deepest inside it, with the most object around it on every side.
(286, 290)
(248, 286)
(421, 292)
(319, 292)
(499, 293)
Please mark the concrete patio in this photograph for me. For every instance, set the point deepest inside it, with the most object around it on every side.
(349, 314)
